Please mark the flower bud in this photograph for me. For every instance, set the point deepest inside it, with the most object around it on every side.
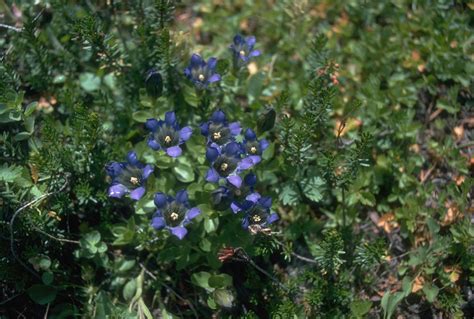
(154, 83)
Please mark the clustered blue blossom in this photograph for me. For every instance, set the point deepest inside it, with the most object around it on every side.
(174, 213)
(228, 156)
(128, 177)
(166, 135)
(201, 73)
(242, 50)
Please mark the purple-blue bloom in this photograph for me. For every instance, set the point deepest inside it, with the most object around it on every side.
(128, 177)
(253, 147)
(218, 131)
(166, 135)
(242, 50)
(223, 196)
(174, 213)
(201, 73)
(257, 211)
(227, 163)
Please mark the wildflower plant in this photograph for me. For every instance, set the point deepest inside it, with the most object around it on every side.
(261, 179)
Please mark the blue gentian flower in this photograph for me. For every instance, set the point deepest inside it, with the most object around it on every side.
(242, 50)
(218, 131)
(223, 196)
(253, 147)
(257, 212)
(226, 163)
(174, 213)
(128, 177)
(166, 135)
(201, 73)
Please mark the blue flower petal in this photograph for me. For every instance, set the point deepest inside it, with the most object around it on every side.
(272, 218)
(153, 144)
(147, 171)
(211, 63)
(250, 179)
(245, 163)
(218, 117)
(250, 41)
(158, 223)
(185, 133)
(193, 213)
(137, 193)
(264, 144)
(160, 200)
(174, 151)
(211, 154)
(114, 169)
(152, 124)
(117, 190)
(182, 197)
(170, 118)
(212, 176)
(265, 201)
(238, 39)
(196, 60)
(235, 180)
(232, 149)
(205, 129)
(254, 197)
(179, 231)
(250, 135)
(235, 207)
(132, 158)
(254, 53)
(235, 128)
(214, 78)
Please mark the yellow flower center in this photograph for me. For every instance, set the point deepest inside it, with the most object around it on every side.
(224, 166)
(257, 218)
(216, 135)
(242, 52)
(253, 149)
(167, 139)
(201, 77)
(174, 216)
(134, 180)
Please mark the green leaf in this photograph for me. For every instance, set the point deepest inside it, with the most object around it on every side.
(224, 298)
(142, 116)
(9, 174)
(289, 194)
(93, 237)
(431, 292)
(184, 173)
(367, 199)
(201, 279)
(30, 108)
(360, 307)
(47, 278)
(42, 294)
(89, 81)
(389, 303)
(220, 281)
(126, 265)
(22, 136)
(210, 225)
(313, 188)
(129, 289)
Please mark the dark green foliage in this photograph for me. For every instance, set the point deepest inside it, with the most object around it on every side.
(368, 110)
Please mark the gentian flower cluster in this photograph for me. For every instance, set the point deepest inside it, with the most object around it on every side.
(166, 135)
(201, 73)
(257, 212)
(227, 155)
(174, 213)
(128, 177)
(242, 50)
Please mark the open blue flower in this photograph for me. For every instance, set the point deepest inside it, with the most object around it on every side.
(128, 177)
(174, 213)
(226, 163)
(257, 211)
(218, 131)
(201, 73)
(253, 147)
(242, 50)
(166, 135)
(223, 196)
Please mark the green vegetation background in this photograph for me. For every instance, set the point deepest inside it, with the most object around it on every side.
(370, 164)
